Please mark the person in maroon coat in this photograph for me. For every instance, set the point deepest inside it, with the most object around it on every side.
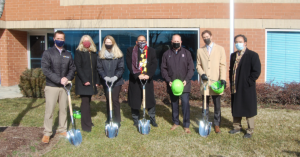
(177, 63)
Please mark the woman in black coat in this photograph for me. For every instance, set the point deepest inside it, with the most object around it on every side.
(110, 66)
(135, 92)
(87, 78)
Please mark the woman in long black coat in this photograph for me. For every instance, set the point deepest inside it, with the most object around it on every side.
(87, 78)
(135, 92)
(110, 66)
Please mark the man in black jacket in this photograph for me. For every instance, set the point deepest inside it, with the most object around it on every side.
(58, 67)
(142, 63)
(244, 70)
(177, 63)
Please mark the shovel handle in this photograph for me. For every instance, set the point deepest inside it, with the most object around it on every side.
(110, 98)
(70, 105)
(204, 94)
(144, 93)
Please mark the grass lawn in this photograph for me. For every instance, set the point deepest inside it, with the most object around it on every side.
(276, 132)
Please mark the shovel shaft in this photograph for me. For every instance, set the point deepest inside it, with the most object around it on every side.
(70, 105)
(204, 98)
(110, 102)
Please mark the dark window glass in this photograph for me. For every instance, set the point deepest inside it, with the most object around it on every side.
(37, 47)
(161, 41)
(50, 40)
(73, 37)
(124, 39)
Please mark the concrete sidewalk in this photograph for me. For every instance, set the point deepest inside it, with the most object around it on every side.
(10, 92)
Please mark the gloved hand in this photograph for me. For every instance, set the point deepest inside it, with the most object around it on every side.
(113, 79)
(204, 77)
(107, 79)
(223, 82)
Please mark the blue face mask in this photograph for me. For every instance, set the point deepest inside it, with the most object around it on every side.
(239, 46)
(59, 43)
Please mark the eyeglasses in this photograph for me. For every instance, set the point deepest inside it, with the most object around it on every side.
(141, 40)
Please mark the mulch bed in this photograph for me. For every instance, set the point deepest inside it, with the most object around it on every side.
(24, 141)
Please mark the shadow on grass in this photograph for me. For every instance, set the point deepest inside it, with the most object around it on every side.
(2, 129)
(18, 119)
(292, 152)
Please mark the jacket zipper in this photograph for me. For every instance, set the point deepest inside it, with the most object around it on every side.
(92, 71)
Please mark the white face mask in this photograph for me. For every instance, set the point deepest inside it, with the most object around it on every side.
(239, 46)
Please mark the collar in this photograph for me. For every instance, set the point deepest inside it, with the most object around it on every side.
(177, 50)
(242, 52)
(59, 50)
(212, 44)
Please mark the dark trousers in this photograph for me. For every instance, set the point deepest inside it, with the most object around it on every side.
(136, 114)
(217, 108)
(86, 120)
(185, 108)
(115, 103)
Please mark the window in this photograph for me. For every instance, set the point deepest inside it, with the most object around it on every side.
(124, 39)
(37, 47)
(160, 40)
(283, 57)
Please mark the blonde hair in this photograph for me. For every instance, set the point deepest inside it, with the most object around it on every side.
(82, 48)
(114, 50)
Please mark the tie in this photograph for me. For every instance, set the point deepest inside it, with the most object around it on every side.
(208, 50)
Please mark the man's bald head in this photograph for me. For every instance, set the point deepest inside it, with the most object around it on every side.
(176, 38)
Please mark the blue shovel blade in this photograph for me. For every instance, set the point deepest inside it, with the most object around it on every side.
(111, 130)
(144, 126)
(204, 128)
(74, 137)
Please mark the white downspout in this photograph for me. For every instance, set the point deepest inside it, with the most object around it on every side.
(231, 26)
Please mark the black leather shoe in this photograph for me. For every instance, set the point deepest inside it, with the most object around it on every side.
(247, 136)
(154, 124)
(234, 131)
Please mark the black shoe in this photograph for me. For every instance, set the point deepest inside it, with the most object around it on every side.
(154, 124)
(234, 131)
(93, 124)
(247, 135)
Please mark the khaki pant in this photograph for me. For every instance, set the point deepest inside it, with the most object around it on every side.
(237, 124)
(52, 96)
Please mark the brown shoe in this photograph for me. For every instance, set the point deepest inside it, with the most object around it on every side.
(46, 139)
(217, 129)
(187, 130)
(62, 134)
(174, 127)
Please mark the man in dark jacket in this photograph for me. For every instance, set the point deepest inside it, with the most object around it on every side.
(142, 63)
(58, 67)
(177, 63)
(244, 70)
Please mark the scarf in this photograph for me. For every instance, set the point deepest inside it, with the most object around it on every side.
(108, 55)
(139, 67)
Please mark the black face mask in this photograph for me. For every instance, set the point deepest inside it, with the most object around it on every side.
(207, 41)
(108, 46)
(175, 45)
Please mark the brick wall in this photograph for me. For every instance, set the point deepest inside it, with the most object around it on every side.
(16, 10)
(13, 56)
(256, 42)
